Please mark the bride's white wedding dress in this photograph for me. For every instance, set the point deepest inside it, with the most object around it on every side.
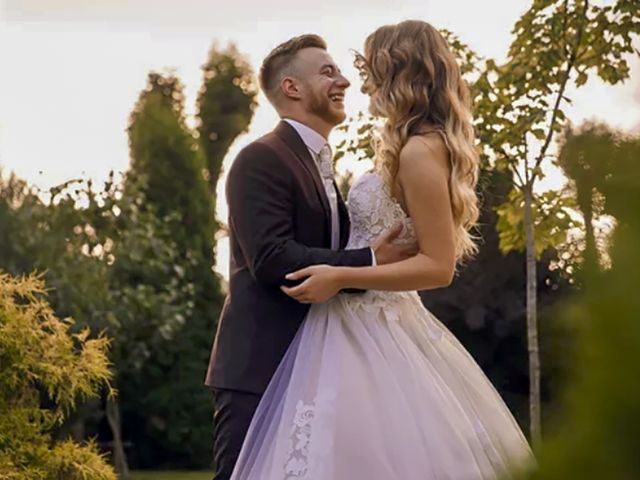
(374, 387)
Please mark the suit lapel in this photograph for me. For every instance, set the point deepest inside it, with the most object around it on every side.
(291, 138)
(343, 218)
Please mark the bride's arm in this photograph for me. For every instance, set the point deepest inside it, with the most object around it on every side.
(423, 176)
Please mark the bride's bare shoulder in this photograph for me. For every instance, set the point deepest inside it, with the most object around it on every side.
(424, 151)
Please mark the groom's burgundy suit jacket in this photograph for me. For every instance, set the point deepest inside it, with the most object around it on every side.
(279, 222)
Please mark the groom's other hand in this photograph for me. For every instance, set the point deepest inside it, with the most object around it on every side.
(386, 251)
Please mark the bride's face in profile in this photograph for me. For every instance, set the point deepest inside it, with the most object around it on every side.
(368, 85)
(368, 88)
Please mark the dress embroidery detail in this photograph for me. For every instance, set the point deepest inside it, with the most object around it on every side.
(309, 431)
(373, 210)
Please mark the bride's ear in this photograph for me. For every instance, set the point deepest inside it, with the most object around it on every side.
(290, 88)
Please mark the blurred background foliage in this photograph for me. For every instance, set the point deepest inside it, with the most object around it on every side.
(134, 258)
(596, 433)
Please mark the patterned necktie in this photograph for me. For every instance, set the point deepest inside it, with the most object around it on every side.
(325, 165)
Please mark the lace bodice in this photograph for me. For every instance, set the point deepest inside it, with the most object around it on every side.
(373, 210)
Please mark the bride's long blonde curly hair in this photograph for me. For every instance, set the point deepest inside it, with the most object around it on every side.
(414, 81)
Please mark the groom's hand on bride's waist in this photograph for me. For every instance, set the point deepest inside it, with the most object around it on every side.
(388, 252)
(319, 284)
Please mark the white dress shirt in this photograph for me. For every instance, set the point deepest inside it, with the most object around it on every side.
(314, 143)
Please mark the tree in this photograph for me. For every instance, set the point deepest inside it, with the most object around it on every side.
(166, 164)
(225, 105)
(44, 362)
(168, 168)
(557, 43)
(585, 158)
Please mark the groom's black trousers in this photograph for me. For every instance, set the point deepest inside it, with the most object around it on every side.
(232, 413)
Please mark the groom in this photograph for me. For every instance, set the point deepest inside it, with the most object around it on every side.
(285, 213)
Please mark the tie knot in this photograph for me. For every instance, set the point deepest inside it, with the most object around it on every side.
(325, 162)
(325, 152)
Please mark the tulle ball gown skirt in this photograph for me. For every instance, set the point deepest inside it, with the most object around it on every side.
(374, 387)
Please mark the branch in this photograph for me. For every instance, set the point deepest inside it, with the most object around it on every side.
(526, 159)
(564, 29)
(517, 173)
(563, 86)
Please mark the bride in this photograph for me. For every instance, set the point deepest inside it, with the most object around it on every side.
(374, 387)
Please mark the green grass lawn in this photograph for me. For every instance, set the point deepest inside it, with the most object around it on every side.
(175, 475)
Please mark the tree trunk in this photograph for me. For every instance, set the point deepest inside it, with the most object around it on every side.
(115, 423)
(532, 320)
(77, 430)
(591, 253)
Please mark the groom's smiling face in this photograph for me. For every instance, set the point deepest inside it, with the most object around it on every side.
(323, 85)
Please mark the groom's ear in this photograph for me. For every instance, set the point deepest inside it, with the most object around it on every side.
(290, 88)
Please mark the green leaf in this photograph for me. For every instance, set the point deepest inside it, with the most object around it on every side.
(538, 133)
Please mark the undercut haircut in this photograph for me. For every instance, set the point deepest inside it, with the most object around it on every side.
(278, 63)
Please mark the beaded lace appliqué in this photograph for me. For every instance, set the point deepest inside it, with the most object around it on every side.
(297, 464)
(311, 439)
(373, 211)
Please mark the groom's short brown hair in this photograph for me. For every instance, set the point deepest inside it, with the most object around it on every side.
(276, 64)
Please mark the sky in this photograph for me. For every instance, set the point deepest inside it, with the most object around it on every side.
(71, 70)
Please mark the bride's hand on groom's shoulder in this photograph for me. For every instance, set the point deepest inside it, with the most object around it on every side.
(321, 282)
(388, 252)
